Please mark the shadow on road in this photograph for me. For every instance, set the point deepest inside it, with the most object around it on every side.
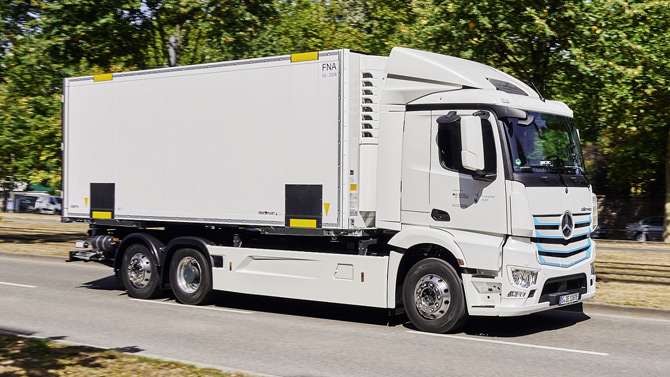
(272, 304)
(302, 308)
(108, 283)
(510, 327)
(501, 327)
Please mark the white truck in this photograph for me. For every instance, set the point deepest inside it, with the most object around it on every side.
(416, 181)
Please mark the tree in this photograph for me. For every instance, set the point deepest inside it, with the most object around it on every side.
(528, 39)
(306, 25)
(132, 34)
(624, 50)
(379, 22)
(44, 41)
(607, 59)
(30, 116)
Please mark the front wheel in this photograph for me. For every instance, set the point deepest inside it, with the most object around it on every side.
(433, 296)
(139, 272)
(190, 277)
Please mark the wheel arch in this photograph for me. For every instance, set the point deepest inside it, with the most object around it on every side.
(416, 244)
(154, 245)
(197, 243)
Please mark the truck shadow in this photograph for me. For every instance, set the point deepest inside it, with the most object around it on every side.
(510, 327)
(505, 327)
(228, 300)
(302, 308)
(499, 327)
(109, 283)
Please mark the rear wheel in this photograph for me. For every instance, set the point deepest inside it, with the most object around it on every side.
(139, 272)
(433, 296)
(191, 277)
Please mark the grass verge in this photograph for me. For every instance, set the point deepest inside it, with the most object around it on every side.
(38, 357)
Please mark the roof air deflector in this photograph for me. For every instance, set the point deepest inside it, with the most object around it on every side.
(507, 87)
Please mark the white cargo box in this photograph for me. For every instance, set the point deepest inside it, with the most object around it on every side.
(271, 141)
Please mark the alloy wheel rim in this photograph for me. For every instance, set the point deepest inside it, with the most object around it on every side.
(432, 296)
(188, 275)
(139, 270)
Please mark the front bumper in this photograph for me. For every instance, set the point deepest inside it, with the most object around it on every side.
(499, 296)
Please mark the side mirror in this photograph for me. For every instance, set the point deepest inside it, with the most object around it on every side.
(472, 143)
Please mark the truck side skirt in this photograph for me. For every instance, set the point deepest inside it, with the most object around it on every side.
(336, 278)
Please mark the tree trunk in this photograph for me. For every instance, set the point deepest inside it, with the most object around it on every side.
(5, 191)
(666, 218)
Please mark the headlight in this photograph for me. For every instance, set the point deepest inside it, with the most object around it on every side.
(523, 278)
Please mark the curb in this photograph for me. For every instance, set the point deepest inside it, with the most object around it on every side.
(632, 245)
(636, 311)
(32, 256)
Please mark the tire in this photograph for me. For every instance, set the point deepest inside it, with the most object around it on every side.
(139, 272)
(641, 237)
(191, 277)
(433, 296)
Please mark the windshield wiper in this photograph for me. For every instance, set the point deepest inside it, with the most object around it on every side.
(553, 168)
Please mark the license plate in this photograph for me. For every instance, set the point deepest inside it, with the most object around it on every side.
(568, 299)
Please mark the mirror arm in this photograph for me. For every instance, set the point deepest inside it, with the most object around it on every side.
(482, 176)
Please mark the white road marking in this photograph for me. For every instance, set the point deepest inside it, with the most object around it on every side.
(17, 285)
(628, 317)
(193, 306)
(510, 343)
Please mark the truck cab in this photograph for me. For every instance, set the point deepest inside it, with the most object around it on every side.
(491, 172)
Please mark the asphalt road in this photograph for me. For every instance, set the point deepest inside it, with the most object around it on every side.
(79, 303)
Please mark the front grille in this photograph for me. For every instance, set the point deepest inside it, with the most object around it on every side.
(561, 240)
(553, 249)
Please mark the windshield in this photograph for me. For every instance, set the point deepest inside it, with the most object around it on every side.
(544, 143)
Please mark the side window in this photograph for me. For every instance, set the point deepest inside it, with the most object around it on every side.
(449, 146)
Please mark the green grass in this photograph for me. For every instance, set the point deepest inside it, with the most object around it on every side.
(39, 357)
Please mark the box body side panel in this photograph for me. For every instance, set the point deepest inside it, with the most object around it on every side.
(207, 145)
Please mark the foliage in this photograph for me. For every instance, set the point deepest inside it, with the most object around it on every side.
(307, 25)
(607, 59)
(29, 102)
(528, 39)
(623, 55)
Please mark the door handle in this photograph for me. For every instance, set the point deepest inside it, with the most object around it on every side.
(440, 215)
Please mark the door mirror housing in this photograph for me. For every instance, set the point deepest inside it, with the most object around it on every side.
(472, 143)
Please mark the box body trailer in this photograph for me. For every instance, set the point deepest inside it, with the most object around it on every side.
(416, 181)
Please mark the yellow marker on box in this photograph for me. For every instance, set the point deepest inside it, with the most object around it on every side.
(305, 56)
(101, 215)
(302, 223)
(102, 77)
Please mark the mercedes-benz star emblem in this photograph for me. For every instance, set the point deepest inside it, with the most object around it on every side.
(567, 225)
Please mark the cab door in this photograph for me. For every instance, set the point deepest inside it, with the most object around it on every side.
(461, 199)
